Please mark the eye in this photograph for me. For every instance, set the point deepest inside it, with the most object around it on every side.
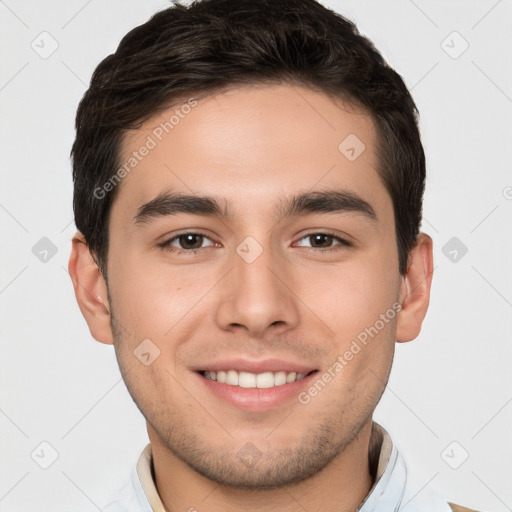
(186, 242)
(324, 241)
(192, 242)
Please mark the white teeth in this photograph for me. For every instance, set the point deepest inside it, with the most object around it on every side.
(265, 380)
(291, 377)
(246, 380)
(232, 378)
(280, 378)
(251, 380)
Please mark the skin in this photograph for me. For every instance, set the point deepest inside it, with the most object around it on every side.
(250, 147)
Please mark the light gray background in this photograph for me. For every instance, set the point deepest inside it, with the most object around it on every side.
(452, 384)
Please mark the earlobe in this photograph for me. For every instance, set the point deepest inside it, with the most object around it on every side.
(90, 290)
(415, 291)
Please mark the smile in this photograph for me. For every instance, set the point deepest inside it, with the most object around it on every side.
(252, 380)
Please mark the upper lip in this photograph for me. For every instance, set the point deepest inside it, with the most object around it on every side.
(253, 366)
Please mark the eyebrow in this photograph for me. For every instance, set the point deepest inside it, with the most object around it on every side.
(331, 201)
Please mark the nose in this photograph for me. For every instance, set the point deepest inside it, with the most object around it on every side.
(258, 296)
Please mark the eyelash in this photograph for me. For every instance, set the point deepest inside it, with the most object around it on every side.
(167, 247)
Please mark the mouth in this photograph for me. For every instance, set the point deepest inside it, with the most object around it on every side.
(248, 380)
(255, 387)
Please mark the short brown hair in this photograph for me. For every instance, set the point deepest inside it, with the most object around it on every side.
(214, 44)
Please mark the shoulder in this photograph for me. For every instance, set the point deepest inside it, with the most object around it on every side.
(458, 508)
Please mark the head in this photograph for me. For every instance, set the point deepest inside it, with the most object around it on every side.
(248, 184)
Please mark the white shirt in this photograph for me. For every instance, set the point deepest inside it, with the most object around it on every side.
(393, 490)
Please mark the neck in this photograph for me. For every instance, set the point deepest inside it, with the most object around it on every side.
(342, 485)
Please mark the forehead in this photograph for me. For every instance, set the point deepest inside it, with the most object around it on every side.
(251, 143)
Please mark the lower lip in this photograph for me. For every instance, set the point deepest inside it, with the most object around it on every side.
(257, 399)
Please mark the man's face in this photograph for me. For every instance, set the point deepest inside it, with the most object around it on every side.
(289, 290)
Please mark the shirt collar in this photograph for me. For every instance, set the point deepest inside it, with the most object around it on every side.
(145, 474)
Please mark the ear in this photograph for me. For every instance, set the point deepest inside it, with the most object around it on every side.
(415, 290)
(90, 290)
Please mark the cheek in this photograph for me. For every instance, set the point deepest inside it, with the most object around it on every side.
(152, 300)
(351, 297)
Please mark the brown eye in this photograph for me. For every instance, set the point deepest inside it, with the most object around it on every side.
(187, 243)
(191, 241)
(321, 240)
